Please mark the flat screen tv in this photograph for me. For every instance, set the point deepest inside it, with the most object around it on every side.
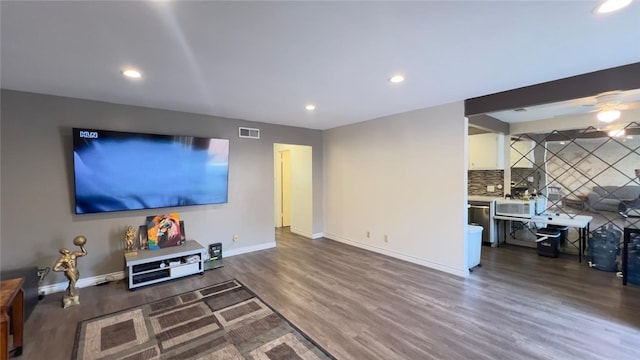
(116, 171)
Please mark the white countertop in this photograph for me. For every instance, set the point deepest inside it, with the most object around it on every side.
(579, 221)
(483, 198)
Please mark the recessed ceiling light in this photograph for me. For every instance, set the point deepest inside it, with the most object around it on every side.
(396, 79)
(132, 73)
(310, 107)
(608, 6)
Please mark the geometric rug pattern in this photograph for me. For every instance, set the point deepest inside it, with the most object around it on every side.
(223, 321)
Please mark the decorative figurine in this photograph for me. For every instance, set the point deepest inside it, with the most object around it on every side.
(129, 237)
(67, 263)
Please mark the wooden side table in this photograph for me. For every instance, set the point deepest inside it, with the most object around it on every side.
(11, 296)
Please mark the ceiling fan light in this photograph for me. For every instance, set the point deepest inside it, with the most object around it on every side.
(608, 6)
(608, 115)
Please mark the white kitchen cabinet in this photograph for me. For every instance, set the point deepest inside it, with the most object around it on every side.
(486, 151)
(522, 155)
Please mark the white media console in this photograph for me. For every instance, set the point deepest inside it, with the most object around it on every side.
(148, 267)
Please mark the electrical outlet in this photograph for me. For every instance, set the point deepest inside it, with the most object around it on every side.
(235, 237)
(386, 238)
(491, 188)
(368, 234)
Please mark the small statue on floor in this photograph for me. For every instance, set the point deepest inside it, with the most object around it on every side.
(67, 263)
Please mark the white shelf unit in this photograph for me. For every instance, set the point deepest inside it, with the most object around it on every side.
(153, 266)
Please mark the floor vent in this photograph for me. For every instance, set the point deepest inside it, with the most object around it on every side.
(248, 133)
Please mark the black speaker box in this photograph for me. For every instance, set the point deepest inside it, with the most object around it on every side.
(215, 251)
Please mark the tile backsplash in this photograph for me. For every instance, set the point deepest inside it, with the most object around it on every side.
(478, 180)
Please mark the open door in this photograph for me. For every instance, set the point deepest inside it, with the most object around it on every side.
(285, 187)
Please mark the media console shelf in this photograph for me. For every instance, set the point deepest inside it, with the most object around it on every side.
(153, 266)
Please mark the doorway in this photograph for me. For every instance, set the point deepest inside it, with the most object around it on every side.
(293, 188)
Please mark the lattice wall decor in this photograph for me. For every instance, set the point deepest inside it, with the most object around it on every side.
(586, 171)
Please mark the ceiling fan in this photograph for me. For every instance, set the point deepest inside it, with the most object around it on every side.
(609, 105)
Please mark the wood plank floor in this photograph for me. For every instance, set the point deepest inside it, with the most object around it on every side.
(362, 305)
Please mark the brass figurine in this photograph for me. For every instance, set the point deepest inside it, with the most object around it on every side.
(129, 237)
(67, 263)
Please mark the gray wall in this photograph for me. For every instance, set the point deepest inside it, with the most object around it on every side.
(37, 181)
(397, 185)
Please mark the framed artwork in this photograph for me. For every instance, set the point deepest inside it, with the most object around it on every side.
(142, 237)
(164, 231)
(183, 237)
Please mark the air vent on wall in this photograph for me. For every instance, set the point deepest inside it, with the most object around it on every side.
(248, 133)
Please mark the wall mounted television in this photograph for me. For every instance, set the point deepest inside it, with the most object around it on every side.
(116, 171)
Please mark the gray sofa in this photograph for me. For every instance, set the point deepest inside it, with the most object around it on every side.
(607, 198)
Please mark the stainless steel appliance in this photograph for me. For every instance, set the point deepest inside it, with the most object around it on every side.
(480, 214)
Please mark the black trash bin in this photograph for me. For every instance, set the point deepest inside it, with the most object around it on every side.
(564, 232)
(548, 242)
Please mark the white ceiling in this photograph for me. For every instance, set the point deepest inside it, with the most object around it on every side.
(264, 61)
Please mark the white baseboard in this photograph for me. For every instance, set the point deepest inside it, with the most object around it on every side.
(397, 255)
(248, 249)
(300, 232)
(83, 282)
(307, 234)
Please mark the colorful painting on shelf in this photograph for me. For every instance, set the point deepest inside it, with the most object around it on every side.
(164, 231)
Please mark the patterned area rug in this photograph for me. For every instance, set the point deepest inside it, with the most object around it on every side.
(223, 321)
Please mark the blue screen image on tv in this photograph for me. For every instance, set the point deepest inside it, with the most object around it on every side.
(116, 171)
